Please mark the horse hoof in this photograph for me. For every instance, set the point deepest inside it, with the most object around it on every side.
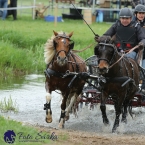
(106, 124)
(60, 126)
(106, 121)
(66, 118)
(113, 130)
(48, 120)
(116, 124)
(124, 120)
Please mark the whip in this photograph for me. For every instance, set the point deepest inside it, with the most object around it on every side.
(83, 19)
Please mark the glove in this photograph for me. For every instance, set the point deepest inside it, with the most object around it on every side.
(104, 38)
(83, 75)
(96, 38)
(141, 45)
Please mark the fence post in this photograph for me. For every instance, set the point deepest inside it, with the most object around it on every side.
(33, 15)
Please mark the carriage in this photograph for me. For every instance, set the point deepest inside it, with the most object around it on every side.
(111, 78)
(91, 94)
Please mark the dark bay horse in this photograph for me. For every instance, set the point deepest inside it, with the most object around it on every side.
(59, 59)
(122, 75)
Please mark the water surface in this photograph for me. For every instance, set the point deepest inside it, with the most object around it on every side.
(29, 94)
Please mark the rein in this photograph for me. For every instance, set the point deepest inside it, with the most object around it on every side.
(75, 62)
(137, 46)
(76, 51)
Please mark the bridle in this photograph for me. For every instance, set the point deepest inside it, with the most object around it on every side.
(71, 44)
(69, 55)
(114, 53)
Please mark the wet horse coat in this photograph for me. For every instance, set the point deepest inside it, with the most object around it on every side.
(59, 59)
(125, 70)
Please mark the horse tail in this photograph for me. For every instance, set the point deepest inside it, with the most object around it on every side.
(130, 109)
(135, 88)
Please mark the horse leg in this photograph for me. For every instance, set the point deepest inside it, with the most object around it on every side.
(103, 110)
(126, 102)
(118, 107)
(62, 116)
(124, 114)
(47, 106)
(71, 103)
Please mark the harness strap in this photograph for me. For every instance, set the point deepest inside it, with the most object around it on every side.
(63, 36)
(49, 72)
(77, 66)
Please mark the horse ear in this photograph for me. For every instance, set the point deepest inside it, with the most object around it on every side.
(70, 34)
(55, 33)
(72, 45)
(96, 49)
(113, 39)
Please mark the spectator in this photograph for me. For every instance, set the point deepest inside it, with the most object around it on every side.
(1, 13)
(136, 2)
(13, 3)
(4, 4)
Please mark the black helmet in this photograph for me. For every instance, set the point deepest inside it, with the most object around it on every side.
(125, 13)
(139, 8)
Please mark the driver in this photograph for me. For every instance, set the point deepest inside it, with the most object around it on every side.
(127, 33)
(140, 18)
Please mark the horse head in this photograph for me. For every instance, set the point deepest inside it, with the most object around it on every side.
(105, 52)
(62, 45)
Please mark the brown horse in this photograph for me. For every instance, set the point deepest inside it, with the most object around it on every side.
(122, 77)
(59, 59)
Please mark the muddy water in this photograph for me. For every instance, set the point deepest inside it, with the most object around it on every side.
(29, 95)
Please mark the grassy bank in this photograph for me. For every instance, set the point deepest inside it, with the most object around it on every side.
(22, 42)
(26, 134)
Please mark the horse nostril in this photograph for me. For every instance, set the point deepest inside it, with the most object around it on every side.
(61, 58)
(65, 58)
(103, 70)
(58, 57)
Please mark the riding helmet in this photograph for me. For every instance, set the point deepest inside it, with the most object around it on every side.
(139, 8)
(125, 13)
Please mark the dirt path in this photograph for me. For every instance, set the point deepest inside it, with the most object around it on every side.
(85, 138)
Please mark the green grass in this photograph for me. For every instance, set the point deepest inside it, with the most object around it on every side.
(8, 105)
(27, 133)
(22, 42)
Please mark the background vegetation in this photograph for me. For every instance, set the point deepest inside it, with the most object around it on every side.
(22, 41)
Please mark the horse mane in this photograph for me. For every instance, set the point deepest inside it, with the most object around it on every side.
(49, 51)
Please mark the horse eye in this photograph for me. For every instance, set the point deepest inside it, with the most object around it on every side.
(110, 51)
(96, 52)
